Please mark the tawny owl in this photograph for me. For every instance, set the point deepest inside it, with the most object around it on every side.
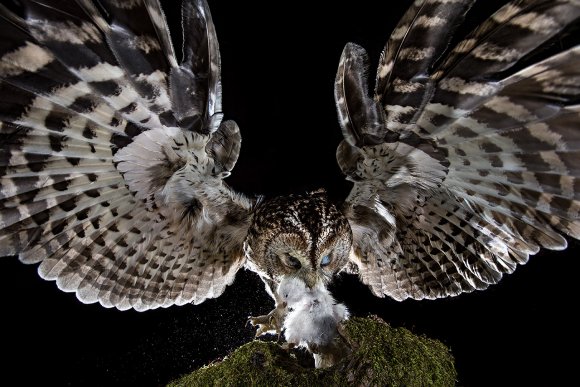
(114, 154)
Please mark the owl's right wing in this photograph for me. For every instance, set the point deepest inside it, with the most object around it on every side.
(113, 152)
(464, 163)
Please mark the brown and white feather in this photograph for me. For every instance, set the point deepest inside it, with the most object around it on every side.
(107, 180)
(478, 164)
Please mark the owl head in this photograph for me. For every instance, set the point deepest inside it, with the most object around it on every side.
(299, 235)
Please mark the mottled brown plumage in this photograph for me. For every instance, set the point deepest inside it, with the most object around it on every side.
(292, 234)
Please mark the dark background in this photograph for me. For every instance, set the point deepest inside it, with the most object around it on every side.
(279, 62)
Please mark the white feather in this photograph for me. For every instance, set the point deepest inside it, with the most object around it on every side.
(313, 315)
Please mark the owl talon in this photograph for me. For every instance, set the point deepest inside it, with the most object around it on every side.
(266, 324)
(263, 324)
(269, 323)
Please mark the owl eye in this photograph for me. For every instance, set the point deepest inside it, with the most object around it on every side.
(325, 261)
(293, 262)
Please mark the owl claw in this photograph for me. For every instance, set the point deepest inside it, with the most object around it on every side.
(264, 324)
(269, 323)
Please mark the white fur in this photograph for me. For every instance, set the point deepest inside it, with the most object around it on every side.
(312, 314)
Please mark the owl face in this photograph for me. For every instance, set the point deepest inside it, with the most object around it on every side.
(299, 235)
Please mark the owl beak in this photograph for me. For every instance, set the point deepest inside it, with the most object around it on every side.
(310, 279)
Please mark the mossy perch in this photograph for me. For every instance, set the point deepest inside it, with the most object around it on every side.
(381, 356)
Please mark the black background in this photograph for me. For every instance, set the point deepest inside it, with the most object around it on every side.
(279, 62)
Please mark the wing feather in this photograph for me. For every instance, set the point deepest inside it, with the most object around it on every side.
(478, 165)
(416, 44)
(111, 172)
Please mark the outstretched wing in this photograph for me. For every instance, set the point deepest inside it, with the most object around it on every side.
(113, 152)
(464, 163)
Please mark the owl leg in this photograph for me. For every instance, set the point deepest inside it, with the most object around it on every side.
(273, 321)
(269, 323)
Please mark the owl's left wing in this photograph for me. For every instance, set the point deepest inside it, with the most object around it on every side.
(113, 152)
(464, 163)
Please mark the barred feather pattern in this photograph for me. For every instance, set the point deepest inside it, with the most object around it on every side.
(476, 166)
(113, 153)
(464, 160)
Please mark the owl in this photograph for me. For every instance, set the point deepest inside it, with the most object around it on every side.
(114, 150)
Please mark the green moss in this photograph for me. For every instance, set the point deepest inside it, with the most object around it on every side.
(395, 357)
(381, 355)
(256, 363)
